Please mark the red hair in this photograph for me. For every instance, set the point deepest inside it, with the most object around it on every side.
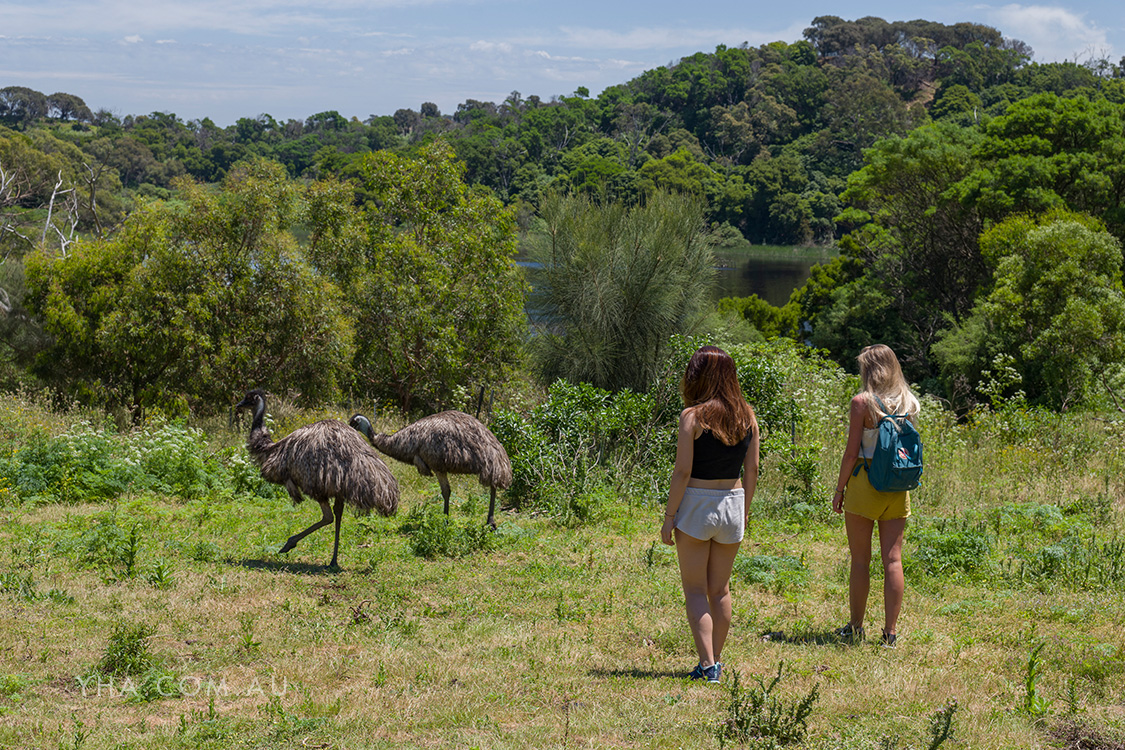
(711, 384)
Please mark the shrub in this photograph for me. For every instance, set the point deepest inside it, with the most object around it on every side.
(565, 450)
(582, 440)
(132, 668)
(127, 653)
(770, 570)
(942, 550)
(433, 535)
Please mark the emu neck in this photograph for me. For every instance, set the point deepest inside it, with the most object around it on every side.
(388, 445)
(259, 442)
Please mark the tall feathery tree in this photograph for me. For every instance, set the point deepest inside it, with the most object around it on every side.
(617, 282)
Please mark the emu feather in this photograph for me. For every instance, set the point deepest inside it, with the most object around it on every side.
(450, 442)
(326, 460)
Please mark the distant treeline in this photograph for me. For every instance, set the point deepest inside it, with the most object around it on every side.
(767, 134)
(905, 143)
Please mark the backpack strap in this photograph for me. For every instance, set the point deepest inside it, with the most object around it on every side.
(886, 414)
(883, 406)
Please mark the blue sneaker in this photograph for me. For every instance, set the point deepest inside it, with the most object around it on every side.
(711, 673)
(850, 634)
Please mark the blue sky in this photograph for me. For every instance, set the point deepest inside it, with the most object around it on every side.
(294, 58)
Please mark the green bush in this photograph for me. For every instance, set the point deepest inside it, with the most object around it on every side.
(564, 452)
(770, 570)
(586, 442)
(763, 375)
(127, 653)
(948, 549)
(172, 459)
(434, 535)
(86, 464)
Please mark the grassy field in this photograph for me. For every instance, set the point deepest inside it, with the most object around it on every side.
(141, 613)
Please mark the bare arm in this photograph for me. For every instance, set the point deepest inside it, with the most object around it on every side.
(750, 469)
(681, 473)
(856, 418)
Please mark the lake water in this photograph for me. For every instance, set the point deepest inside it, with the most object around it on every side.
(771, 274)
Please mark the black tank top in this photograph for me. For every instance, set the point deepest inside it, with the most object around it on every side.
(713, 459)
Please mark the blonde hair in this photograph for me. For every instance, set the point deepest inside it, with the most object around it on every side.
(882, 377)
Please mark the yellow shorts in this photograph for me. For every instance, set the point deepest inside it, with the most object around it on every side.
(864, 500)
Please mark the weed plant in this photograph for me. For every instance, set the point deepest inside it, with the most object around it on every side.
(775, 572)
(434, 535)
(130, 668)
(87, 464)
(1035, 704)
(757, 717)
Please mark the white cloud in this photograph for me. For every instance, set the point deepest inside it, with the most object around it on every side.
(660, 38)
(397, 52)
(558, 58)
(1055, 33)
(482, 46)
(133, 39)
(248, 18)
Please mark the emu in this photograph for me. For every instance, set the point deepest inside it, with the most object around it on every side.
(325, 460)
(449, 442)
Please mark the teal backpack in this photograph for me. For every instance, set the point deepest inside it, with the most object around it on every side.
(897, 462)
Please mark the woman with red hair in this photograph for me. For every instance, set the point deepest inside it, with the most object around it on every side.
(712, 485)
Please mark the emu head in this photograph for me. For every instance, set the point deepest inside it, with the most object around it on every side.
(251, 400)
(363, 424)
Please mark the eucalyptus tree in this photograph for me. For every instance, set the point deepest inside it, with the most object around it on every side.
(1051, 325)
(427, 267)
(192, 301)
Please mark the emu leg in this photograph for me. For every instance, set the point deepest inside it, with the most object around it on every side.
(326, 511)
(492, 506)
(339, 510)
(443, 480)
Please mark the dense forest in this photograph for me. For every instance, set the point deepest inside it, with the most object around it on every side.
(976, 197)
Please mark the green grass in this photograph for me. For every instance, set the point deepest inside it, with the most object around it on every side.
(748, 249)
(554, 633)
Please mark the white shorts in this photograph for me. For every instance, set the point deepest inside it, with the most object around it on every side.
(717, 515)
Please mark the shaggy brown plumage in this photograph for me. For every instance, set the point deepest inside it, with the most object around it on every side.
(450, 442)
(324, 460)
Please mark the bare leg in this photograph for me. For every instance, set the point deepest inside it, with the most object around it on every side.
(890, 543)
(326, 511)
(443, 480)
(339, 511)
(859, 582)
(719, 567)
(492, 506)
(705, 569)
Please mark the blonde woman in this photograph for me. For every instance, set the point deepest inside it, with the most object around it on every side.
(712, 485)
(884, 391)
